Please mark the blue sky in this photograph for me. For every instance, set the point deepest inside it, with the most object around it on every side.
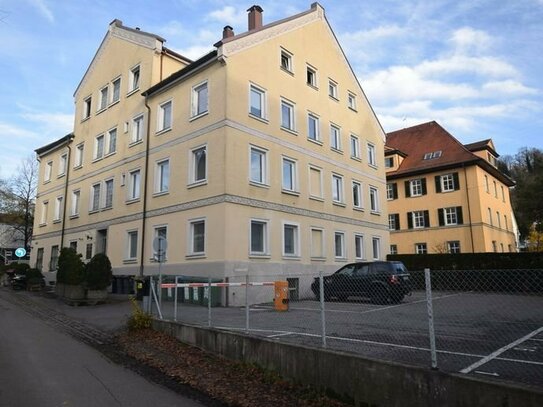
(475, 66)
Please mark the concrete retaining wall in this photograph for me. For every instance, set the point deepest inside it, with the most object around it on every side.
(365, 382)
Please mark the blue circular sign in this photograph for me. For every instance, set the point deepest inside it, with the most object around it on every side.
(20, 252)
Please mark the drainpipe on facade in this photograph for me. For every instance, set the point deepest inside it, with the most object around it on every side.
(469, 208)
(144, 212)
(66, 191)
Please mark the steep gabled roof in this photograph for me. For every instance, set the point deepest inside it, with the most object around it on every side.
(482, 145)
(430, 138)
(54, 145)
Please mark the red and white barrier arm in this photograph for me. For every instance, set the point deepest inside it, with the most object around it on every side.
(183, 285)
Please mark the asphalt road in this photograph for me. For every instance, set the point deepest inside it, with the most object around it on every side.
(43, 366)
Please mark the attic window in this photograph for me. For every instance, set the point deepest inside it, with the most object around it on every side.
(389, 162)
(431, 156)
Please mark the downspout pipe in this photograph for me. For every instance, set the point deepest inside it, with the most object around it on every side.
(145, 178)
(469, 209)
(68, 165)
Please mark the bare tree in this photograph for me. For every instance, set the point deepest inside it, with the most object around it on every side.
(17, 199)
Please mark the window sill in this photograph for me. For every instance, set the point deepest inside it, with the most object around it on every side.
(56, 221)
(340, 259)
(74, 216)
(335, 99)
(358, 208)
(135, 143)
(260, 119)
(197, 184)
(354, 157)
(107, 208)
(195, 256)
(352, 109)
(84, 119)
(377, 213)
(78, 167)
(289, 192)
(314, 87)
(61, 175)
(101, 110)
(338, 203)
(259, 184)
(131, 201)
(130, 261)
(318, 258)
(162, 131)
(316, 198)
(259, 256)
(291, 131)
(372, 166)
(42, 224)
(94, 160)
(130, 93)
(94, 211)
(110, 154)
(315, 141)
(114, 103)
(286, 70)
(291, 257)
(161, 193)
(46, 181)
(196, 117)
(336, 150)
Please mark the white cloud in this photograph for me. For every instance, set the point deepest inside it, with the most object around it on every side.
(508, 87)
(56, 124)
(10, 132)
(229, 15)
(43, 9)
(467, 40)
(480, 66)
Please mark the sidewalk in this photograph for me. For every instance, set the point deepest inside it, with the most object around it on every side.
(108, 317)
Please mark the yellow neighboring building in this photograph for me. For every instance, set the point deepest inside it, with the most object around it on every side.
(445, 197)
(262, 157)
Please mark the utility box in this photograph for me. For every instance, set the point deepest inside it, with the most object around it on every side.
(280, 299)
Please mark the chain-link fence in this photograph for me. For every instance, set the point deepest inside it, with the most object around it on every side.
(487, 323)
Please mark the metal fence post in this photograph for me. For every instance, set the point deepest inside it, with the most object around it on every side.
(323, 318)
(247, 303)
(429, 306)
(175, 301)
(209, 302)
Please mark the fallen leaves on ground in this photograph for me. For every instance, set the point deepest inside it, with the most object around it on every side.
(234, 383)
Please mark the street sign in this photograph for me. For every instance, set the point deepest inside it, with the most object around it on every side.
(20, 252)
(160, 245)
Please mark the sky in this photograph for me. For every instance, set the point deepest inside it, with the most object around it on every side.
(474, 66)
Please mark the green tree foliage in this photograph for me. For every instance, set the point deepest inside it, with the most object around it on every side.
(98, 274)
(526, 168)
(71, 269)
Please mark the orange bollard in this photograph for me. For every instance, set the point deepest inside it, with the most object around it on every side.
(280, 300)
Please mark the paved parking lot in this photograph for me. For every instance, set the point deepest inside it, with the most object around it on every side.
(497, 336)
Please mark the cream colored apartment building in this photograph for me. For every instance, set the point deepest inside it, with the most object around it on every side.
(445, 197)
(262, 157)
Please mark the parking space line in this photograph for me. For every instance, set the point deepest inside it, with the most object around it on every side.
(498, 352)
(283, 334)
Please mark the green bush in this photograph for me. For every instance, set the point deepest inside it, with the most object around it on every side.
(71, 269)
(98, 273)
(139, 318)
(34, 277)
(20, 268)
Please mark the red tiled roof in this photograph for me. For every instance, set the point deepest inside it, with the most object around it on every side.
(430, 137)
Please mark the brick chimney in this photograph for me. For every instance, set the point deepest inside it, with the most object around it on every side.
(255, 17)
(227, 32)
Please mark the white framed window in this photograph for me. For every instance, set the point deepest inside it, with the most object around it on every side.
(99, 143)
(48, 169)
(450, 216)
(164, 119)
(391, 192)
(286, 61)
(337, 188)
(351, 100)
(499, 220)
(357, 194)
(134, 186)
(162, 176)
(374, 200)
(291, 240)
(505, 225)
(197, 234)
(389, 162)
(287, 115)
(53, 263)
(58, 209)
(393, 249)
(359, 246)
(355, 147)
(111, 141)
(95, 197)
(495, 189)
(44, 210)
(415, 187)
(371, 155)
(258, 237)
(131, 245)
(311, 76)
(290, 175)
(503, 193)
(108, 198)
(418, 219)
(453, 246)
(317, 243)
(76, 198)
(103, 98)
(490, 216)
(137, 129)
(198, 165)
(200, 99)
(447, 183)
(339, 245)
(421, 248)
(62, 164)
(486, 184)
(258, 162)
(335, 137)
(134, 79)
(79, 150)
(376, 247)
(116, 94)
(315, 182)
(332, 89)
(392, 218)
(313, 127)
(160, 231)
(87, 106)
(257, 102)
